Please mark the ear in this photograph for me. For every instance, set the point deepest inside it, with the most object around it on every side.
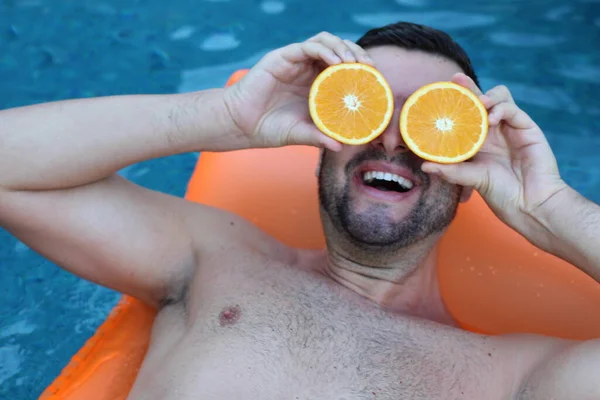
(318, 168)
(466, 193)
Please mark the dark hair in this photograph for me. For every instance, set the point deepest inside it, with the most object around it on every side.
(412, 36)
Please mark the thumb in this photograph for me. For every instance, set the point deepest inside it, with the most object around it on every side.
(306, 133)
(464, 173)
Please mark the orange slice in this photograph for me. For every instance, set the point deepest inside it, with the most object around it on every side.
(351, 102)
(444, 122)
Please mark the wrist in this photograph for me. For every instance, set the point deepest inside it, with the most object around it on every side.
(571, 224)
(545, 213)
(552, 224)
(204, 122)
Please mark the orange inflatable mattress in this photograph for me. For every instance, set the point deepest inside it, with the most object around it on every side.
(492, 280)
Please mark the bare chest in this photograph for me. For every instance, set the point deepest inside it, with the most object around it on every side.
(279, 333)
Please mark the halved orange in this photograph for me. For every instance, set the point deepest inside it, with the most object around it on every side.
(351, 102)
(444, 122)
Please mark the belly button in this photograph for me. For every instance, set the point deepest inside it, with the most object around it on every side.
(230, 315)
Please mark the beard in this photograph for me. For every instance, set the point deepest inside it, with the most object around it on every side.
(375, 228)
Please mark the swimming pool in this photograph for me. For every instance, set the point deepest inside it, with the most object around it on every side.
(546, 51)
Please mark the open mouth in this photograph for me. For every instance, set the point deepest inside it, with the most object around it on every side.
(386, 181)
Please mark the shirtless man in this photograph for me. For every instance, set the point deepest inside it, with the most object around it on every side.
(242, 316)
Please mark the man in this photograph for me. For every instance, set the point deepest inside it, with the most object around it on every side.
(242, 316)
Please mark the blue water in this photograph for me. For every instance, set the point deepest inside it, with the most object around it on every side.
(546, 51)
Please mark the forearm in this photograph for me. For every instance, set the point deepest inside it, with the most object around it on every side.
(70, 143)
(571, 230)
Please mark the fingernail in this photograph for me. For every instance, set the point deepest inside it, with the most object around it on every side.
(349, 56)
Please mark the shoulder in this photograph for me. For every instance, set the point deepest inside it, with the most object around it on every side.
(215, 231)
(222, 239)
(568, 370)
(545, 367)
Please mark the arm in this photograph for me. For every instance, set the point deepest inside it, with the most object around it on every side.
(569, 227)
(569, 373)
(59, 192)
(66, 144)
(517, 175)
(60, 195)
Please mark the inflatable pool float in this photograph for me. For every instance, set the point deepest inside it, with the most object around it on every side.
(492, 280)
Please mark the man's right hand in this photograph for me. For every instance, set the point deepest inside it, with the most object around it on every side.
(112, 232)
(270, 104)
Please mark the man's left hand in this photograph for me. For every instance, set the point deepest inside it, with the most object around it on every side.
(515, 171)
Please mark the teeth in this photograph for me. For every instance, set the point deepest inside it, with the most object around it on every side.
(370, 175)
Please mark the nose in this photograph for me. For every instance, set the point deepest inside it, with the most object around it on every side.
(391, 140)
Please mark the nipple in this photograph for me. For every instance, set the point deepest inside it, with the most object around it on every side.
(230, 315)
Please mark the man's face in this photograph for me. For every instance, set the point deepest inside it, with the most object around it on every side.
(355, 189)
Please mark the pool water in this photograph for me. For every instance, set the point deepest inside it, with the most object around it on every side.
(546, 51)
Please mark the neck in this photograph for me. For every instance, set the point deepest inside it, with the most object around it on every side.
(405, 283)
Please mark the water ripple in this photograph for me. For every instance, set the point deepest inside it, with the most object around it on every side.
(586, 73)
(445, 20)
(22, 327)
(553, 98)
(11, 362)
(558, 13)
(183, 32)
(215, 75)
(272, 7)
(412, 3)
(220, 42)
(523, 39)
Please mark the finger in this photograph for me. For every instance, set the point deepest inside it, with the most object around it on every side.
(318, 51)
(513, 115)
(466, 81)
(463, 174)
(360, 53)
(326, 142)
(308, 134)
(339, 47)
(320, 65)
(302, 52)
(498, 94)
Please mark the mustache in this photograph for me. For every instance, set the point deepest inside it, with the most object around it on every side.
(405, 159)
